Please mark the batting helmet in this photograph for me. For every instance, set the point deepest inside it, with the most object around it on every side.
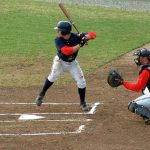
(64, 26)
(143, 52)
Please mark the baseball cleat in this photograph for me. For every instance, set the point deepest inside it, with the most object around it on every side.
(85, 107)
(39, 100)
(147, 121)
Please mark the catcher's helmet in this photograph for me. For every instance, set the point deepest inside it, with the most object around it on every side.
(64, 26)
(143, 52)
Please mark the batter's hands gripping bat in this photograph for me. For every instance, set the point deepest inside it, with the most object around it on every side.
(61, 5)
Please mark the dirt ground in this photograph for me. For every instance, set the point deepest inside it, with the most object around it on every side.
(112, 127)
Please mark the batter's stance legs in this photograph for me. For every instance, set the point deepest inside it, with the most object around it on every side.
(40, 97)
(83, 105)
(82, 94)
(47, 84)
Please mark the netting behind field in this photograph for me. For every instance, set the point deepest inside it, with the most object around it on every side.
(139, 5)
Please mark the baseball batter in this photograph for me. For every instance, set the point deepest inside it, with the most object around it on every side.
(68, 45)
(141, 105)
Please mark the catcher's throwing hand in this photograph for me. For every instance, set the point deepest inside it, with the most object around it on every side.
(114, 78)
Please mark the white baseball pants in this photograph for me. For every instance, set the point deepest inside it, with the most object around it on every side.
(59, 66)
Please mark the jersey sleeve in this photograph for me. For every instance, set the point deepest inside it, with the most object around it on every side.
(140, 83)
(67, 50)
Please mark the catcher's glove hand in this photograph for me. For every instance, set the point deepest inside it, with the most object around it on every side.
(114, 78)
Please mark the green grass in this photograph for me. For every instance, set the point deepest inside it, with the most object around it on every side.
(27, 38)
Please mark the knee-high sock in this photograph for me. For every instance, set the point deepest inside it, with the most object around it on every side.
(47, 84)
(82, 94)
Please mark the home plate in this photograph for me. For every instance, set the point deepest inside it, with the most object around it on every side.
(29, 117)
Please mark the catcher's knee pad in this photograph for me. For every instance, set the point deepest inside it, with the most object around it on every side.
(142, 111)
(132, 106)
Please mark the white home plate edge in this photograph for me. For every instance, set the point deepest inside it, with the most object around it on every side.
(29, 117)
(38, 117)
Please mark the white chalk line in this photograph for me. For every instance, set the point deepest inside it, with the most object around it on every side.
(46, 113)
(92, 111)
(79, 130)
(42, 103)
(3, 103)
(61, 120)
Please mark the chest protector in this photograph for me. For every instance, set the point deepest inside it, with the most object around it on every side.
(146, 67)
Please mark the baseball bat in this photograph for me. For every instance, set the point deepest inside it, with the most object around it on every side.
(61, 5)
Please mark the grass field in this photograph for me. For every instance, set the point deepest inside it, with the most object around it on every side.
(27, 38)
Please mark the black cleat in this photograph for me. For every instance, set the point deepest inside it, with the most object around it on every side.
(147, 121)
(39, 100)
(85, 107)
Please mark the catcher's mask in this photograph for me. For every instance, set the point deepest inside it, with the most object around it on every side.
(64, 26)
(143, 52)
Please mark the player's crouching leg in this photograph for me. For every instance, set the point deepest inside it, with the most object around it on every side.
(140, 110)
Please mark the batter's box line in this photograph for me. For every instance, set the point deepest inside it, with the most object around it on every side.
(91, 112)
(77, 131)
(46, 120)
(6, 103)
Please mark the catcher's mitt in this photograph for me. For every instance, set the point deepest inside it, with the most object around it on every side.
(114, 78)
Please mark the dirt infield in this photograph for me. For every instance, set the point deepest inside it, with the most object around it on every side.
(112, 127)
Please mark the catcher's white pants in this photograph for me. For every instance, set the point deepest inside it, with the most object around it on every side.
(73, 68)
(144, 99)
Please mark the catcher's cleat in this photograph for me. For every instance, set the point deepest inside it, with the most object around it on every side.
(39, 100)
(85, 107)
(147, 121)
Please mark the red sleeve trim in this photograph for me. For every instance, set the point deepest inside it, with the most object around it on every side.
(92, 35)
(67, 50)
(140, 83)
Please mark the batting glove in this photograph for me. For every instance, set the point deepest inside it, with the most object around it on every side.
(83, 41)
(82, 34)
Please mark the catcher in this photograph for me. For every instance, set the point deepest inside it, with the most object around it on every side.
(141, 105)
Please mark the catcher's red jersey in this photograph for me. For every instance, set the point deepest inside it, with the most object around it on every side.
(141, 82)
